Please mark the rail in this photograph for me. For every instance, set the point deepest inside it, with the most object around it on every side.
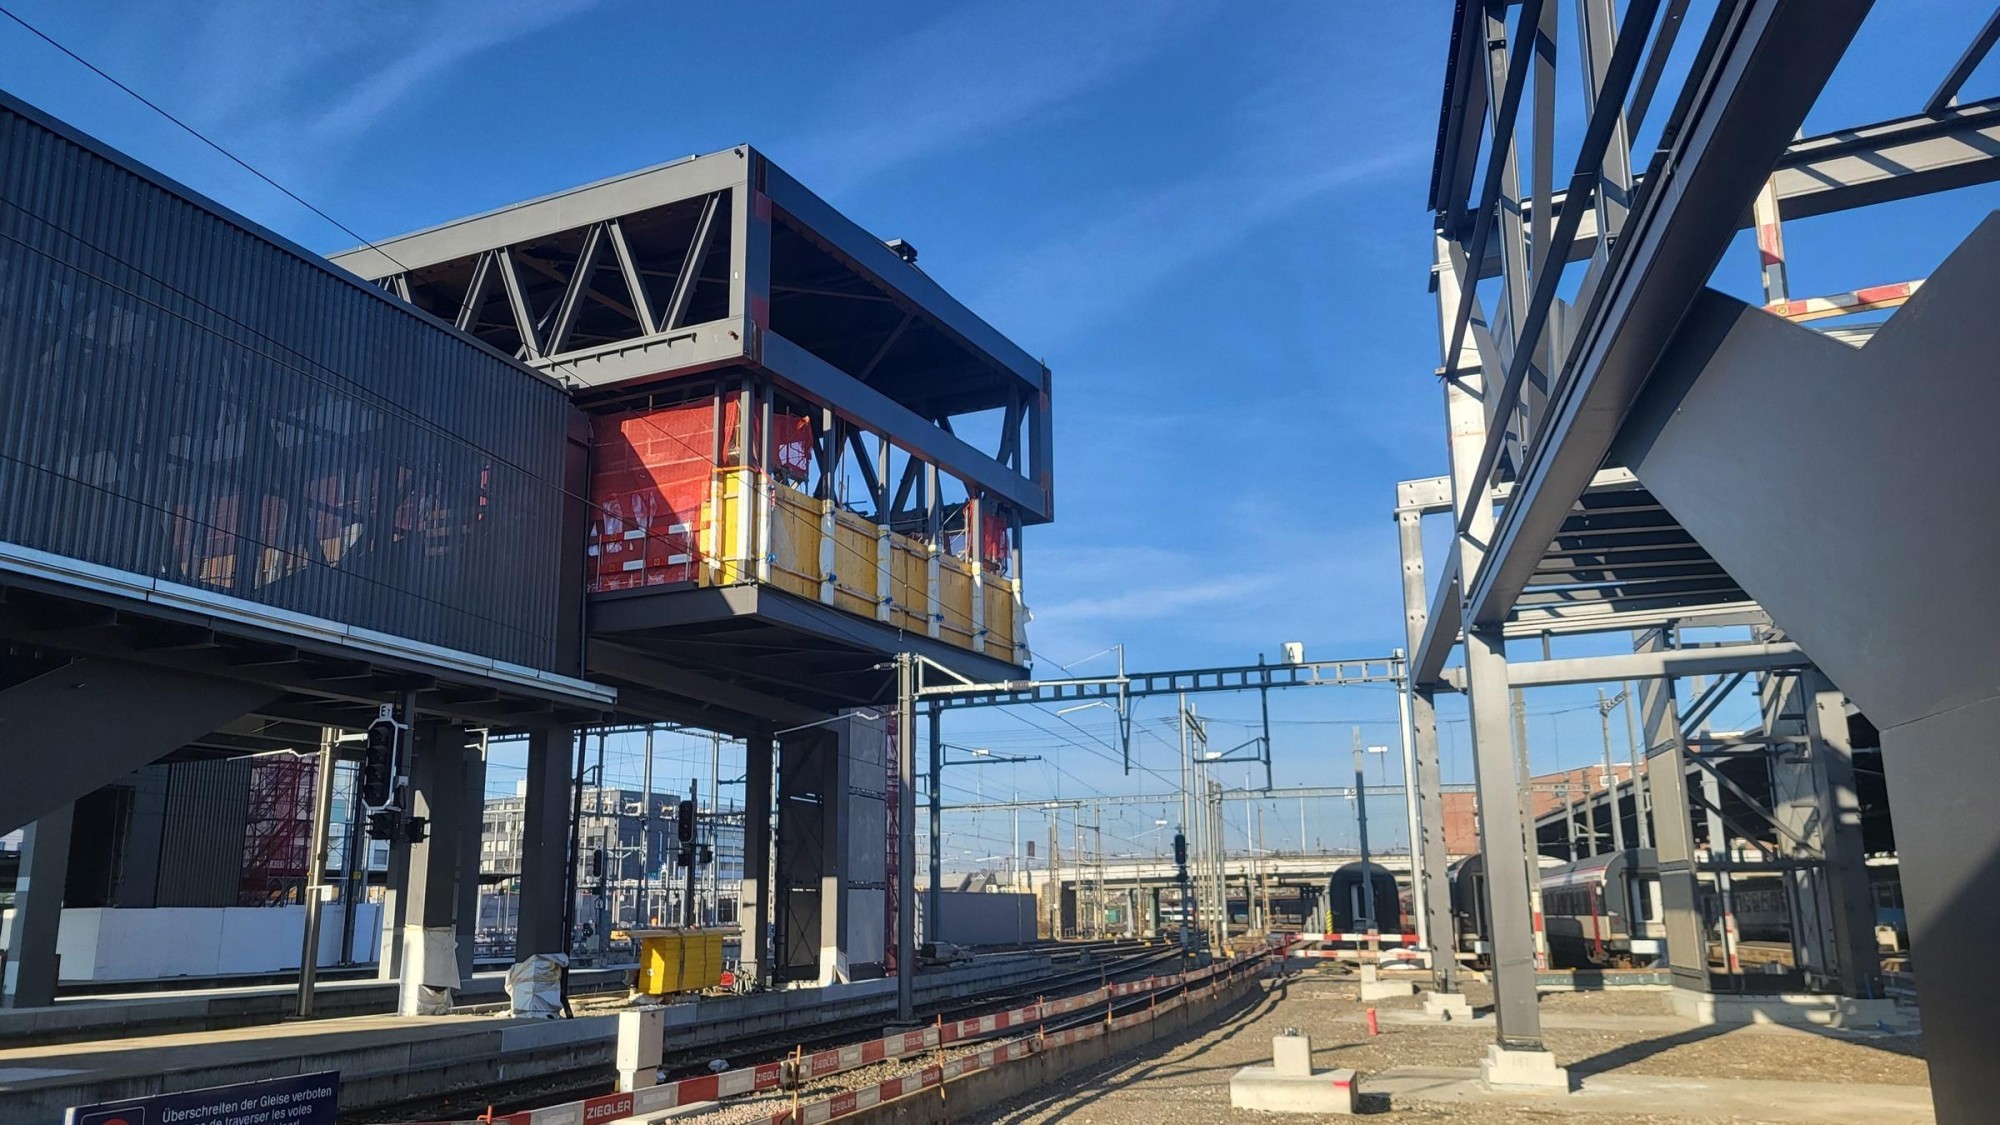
(806, 1067)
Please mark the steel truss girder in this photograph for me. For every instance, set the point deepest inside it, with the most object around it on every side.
(1021, 470)
(1134, 685)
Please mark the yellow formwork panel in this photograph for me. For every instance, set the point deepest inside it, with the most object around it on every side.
(678, 960)
(797, 531)
(1000, 616)
(795, 564)
(955, 601)
(910, 584)
(854, 564)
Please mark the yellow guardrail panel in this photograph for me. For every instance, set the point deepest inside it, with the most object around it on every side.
(730, 519)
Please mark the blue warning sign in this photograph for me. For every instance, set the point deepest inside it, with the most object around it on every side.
(299, 1099)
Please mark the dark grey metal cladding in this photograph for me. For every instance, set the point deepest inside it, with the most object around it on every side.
(188, 399)
(1891, 442)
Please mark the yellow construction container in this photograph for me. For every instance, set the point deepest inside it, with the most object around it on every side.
(678, 960)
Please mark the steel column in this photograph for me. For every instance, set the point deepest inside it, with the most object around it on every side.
(436, 796)
(1673, 830)
(540, 926)
(754, 899)
(906, 837)
(934, 899)
(471, 833)
(38, 893)
(1850, 899)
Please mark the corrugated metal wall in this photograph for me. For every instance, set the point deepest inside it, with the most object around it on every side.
(202, 833)
(185, 398)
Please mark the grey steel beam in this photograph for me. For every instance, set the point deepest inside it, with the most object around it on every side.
(526, 221)
(1464, 102)
(1431, 875)
(689, 347)
(607, 659)
(76, 728)
(1898, 159)
(1946, 95)
(1723, 660)
(635, 283)
(1441, 628)
(1745, 107)
(34, 924)
(1883, 162)
(675, 313)
(517, 300)
(475, 294)
(573, 293)
(872, 410)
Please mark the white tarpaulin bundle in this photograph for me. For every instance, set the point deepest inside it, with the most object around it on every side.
(535, 985)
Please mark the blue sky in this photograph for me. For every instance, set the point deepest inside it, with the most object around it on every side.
(1208, 218)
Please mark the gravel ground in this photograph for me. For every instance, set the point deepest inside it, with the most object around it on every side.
(1190, 1081)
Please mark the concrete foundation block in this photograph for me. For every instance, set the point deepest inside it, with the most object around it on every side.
(1535, 1070)
(1263, 1088)
(1292, 1055)
(1794, 1009)
(1386, 989)
(1447, 1006)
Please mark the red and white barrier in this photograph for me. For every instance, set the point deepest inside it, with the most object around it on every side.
(819, 1064)
(1841, 304)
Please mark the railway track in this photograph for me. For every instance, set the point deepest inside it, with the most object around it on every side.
(1087, 968)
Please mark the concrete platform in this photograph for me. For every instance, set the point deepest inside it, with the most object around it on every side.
(76, 1019)
(1670, 1097)
(384, 1060)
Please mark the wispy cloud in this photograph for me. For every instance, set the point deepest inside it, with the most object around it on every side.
(1326, 121)
(978, 69)
(437, 37)
(257, 75)
(1051, 292)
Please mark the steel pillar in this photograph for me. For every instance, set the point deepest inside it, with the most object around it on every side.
(934, 898)
(545, 845)
(30, 937)
(1441, 940)
(1850, 901)
(753, 908)
(1673, 829)
(471, 833)
(1503, 828)
(437, 796)
(1502, 843)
